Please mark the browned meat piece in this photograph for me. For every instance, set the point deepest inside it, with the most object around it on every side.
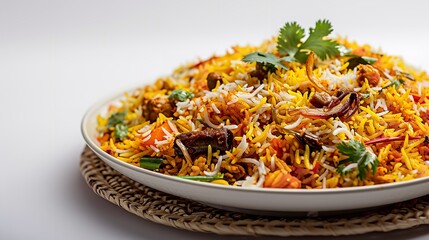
(320, 99)
(197, 142)
(367, 72)
(153, 107)
(212, 80)
(308, 139)
(260, 72)
(238, 172)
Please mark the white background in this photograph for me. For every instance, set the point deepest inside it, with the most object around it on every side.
(57, 58)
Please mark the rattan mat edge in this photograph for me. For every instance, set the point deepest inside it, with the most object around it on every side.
(185, 214)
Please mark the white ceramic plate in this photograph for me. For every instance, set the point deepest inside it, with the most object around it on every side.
(256, 200)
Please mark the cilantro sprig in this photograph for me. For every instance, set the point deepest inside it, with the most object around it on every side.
(290, 37)
(268, 59)
(357, 60)
(117, 120)
(291, 41)
(121, 131)
(293, 46)
(180, 95)
(396, 83)
(359, 156)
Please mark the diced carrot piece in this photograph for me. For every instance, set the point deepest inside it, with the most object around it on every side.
(157, 134)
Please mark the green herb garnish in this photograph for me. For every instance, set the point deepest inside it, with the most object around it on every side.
(365, 95)
(180, 95)
(121, 131)
(151, 163)
(357, 60)
(291, 43)
(395, 83)
(201, 121)
(116, 118)
(358, 155)
(268, 59)
(203, 178)
(290, 38)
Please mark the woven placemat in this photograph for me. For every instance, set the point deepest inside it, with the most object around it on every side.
(181, 213)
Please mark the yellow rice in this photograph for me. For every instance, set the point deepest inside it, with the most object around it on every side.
(244, 105)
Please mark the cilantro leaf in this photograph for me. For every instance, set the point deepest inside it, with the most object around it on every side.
(358, 156)
(290, 38)
(116, 118)
(180, 95)
(266, 58)
(317, 43)
(395, 83)
(365, 95)
(355, 61)
(290, 43)
(121, 131)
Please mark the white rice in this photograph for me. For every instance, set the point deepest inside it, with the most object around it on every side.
(217, 168)
(323, 175)
(330, 168)
(172, 127)
(207, 120)
(341, 128)
(230, 127)
(350, 167)
(215, 108)
(294, 124)
(155, 149)
(381, 103)
(184, 150)
(167, 133)
(242, 147)
(250, 95)
(123, 150)
(146, 138)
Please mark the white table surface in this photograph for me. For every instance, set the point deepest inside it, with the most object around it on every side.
(59, 57)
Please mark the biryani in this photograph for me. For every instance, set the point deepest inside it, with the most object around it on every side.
(301, 110)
